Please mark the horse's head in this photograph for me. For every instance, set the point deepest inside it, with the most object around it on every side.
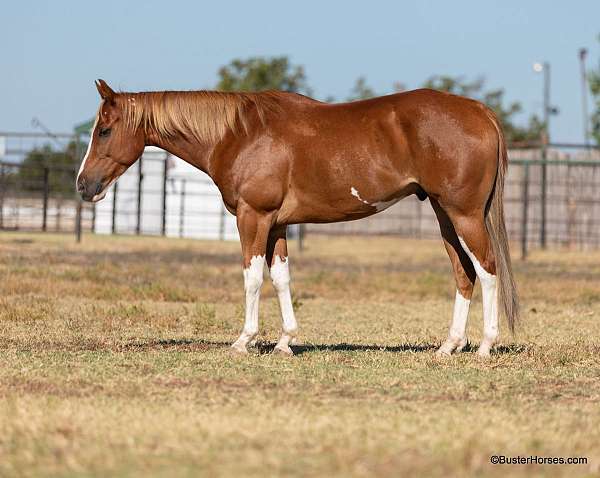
(114, 146)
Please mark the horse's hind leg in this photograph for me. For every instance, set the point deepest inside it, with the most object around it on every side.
(277, 259)
(475, 241)
(464, 274)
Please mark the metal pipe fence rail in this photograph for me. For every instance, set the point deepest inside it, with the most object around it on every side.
(554, 201)
(35, 199)
(153, 197)
(572, 208)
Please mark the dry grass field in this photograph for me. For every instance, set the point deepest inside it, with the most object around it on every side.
(114, 361)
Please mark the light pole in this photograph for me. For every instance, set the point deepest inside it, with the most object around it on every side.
(544, 68)
(584, 101)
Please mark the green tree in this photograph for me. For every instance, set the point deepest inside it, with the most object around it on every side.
(514, 133)
(260, 74)
(361, 90)
(594, 82)
(595, 89)
(61, 166)
(455, 85)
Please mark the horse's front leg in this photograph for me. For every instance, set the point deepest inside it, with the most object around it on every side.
(254, 231)
(277, 259)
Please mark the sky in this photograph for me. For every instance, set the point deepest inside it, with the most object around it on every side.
(52, 51)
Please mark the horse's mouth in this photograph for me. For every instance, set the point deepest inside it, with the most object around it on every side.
(100, 192)
(99, 197)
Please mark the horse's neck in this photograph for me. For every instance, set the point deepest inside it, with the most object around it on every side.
(191, 151)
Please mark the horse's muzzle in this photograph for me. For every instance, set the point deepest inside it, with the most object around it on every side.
(88, 189)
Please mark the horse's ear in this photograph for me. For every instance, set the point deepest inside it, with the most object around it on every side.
(106, 92)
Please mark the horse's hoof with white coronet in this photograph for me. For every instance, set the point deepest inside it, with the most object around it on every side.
(285, 351)
(237, 349)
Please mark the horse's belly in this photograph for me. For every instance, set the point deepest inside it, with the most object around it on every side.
(346, 204)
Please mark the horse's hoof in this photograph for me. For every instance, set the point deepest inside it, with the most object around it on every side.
(463, 343)
(446, 349)
(236, 349)
(285, 351)
(442, 354)
(483, 354)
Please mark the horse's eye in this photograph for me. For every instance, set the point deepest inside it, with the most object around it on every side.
(104, 132)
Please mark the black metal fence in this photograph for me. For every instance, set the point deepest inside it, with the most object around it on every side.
(161, 195)
(552, 201)
(38, 194)
(152, 197)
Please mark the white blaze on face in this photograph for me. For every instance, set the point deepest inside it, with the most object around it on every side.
(89, 148)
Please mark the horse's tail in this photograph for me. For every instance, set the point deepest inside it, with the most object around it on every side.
(508, 300)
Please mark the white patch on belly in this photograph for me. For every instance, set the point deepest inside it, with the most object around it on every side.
(379, 206)
(354, 192)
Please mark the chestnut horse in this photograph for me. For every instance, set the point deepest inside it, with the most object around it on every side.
(282, 158)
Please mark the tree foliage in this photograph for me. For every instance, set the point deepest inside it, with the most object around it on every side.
(594, 82)
(361, 90)
(532, 132)
(260, 74)
(61, 166)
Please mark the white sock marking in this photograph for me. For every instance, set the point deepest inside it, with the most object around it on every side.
(253, 278)
(489, 295)
(457, 334)
(280, 275)
(459, 317)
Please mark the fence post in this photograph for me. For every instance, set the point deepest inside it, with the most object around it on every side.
(181, 207)
(2, 186)
(525, 212)
(163, 227)
(113, 228)
(46, 193)
(419, 219)
(138, 224)
(222, 222)
(78, 220)
(58, 215)
(77, 196)
(543, 195)
(301, 234)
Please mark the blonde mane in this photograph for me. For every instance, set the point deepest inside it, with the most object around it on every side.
(203, 115)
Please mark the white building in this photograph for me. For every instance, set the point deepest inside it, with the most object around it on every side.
(194, 207)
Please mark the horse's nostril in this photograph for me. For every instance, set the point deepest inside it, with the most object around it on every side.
(80, 185)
